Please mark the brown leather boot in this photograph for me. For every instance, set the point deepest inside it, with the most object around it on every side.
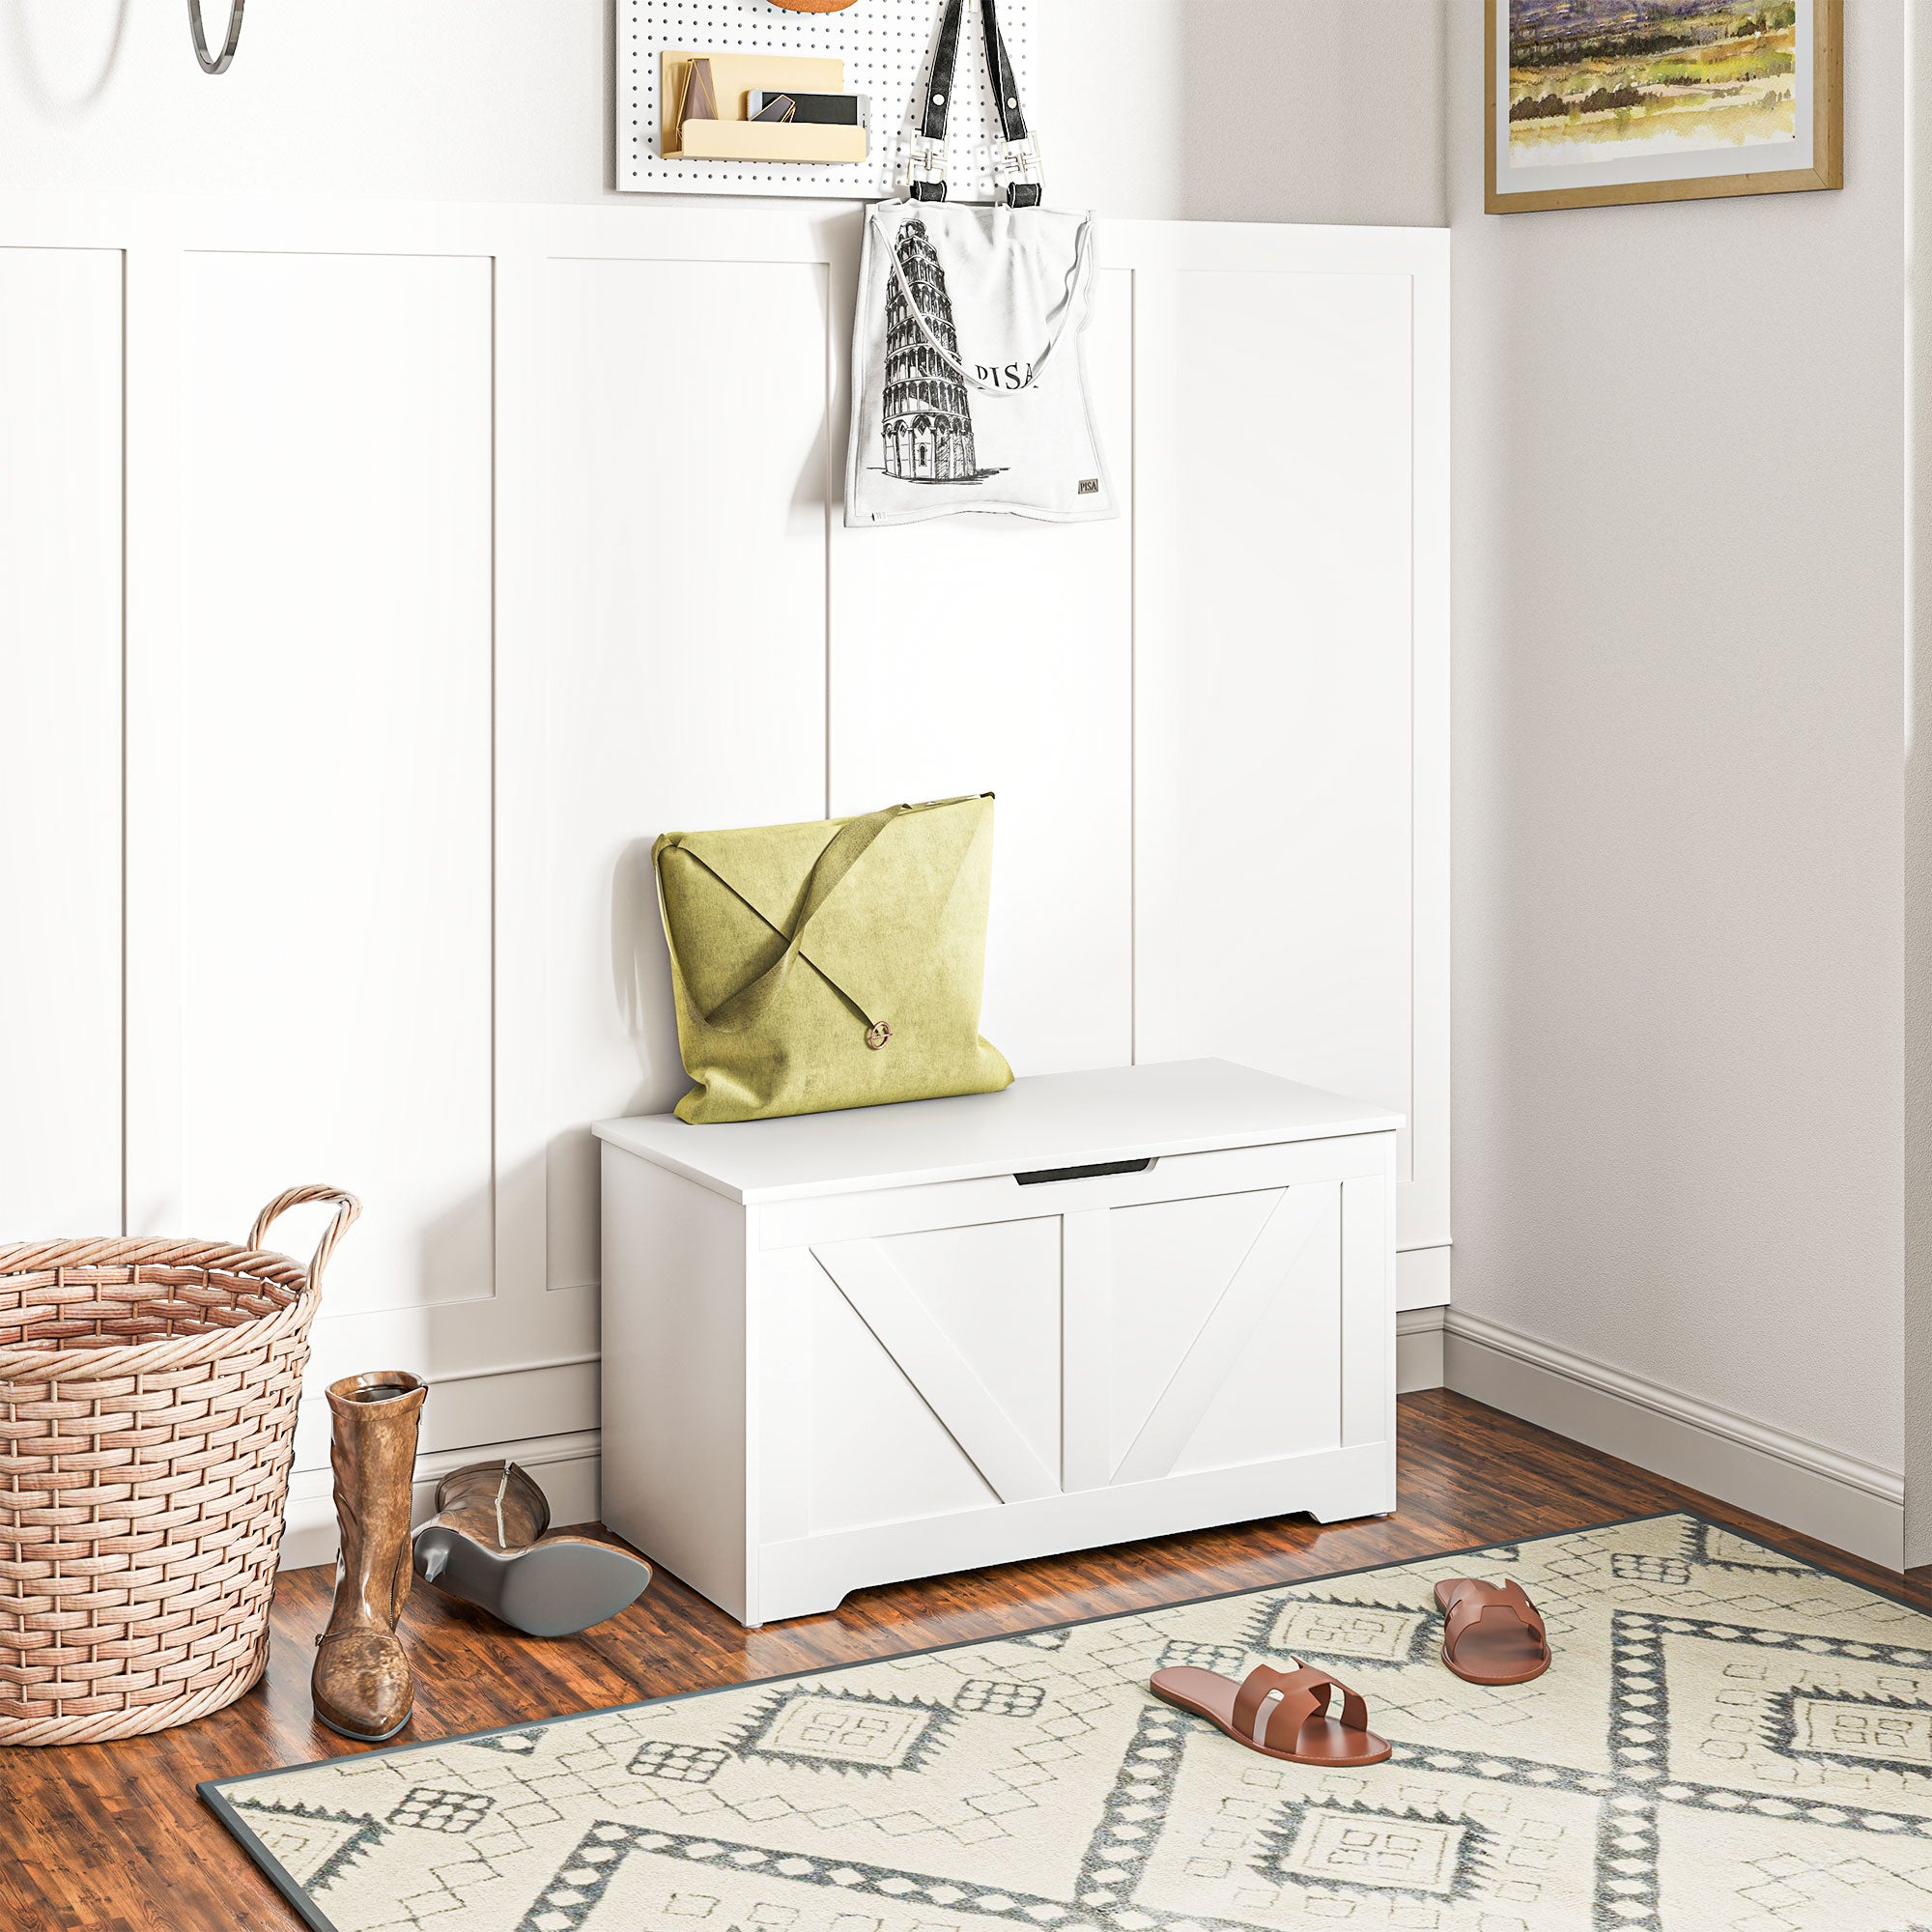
(487, 1544)
(362, 1686)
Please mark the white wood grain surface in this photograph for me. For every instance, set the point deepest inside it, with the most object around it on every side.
(1035, 1368)
(1042, 1121)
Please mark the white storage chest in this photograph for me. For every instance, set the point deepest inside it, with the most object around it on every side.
(847, 1349)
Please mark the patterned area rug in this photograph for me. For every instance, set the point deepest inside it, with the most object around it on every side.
(1729, 1740)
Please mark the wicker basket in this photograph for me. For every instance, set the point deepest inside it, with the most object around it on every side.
(148, 1395)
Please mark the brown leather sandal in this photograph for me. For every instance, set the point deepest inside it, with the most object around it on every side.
(1295, 1725)
(1491, 1633)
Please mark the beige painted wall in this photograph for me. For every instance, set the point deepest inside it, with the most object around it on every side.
(1313, 110)
(1223, 109)
(1679, 838)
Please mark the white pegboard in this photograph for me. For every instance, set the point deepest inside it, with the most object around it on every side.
(887, 47)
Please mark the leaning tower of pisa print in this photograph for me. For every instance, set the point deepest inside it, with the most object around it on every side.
(927, 420)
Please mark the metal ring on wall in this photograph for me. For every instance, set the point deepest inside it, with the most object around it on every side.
(219, 65)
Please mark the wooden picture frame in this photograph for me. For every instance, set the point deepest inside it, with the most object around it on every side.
(1813, 111)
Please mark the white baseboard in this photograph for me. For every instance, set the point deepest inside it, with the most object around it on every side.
(1422, 1277)
(1418, 1350)
(1836, 1497)
(529, 1400)
(566, 1466)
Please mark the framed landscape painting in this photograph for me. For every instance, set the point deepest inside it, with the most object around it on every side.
(1594, 102)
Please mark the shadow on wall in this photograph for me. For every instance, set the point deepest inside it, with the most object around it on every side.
(66, 50)
(640, 979)
(641, 976)
(609, 91)
(641, 970)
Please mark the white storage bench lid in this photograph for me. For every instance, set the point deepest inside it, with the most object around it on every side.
(1048, 1121)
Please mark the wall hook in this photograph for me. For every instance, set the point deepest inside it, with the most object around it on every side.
(218, 64)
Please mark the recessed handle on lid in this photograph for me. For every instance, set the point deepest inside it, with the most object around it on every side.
(1039, 1176)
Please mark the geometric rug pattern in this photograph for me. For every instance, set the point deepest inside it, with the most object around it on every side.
(1728, 1741)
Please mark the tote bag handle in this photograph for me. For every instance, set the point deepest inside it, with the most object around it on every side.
(929, 159)
(1076, 280)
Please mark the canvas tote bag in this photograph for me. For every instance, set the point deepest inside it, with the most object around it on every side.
(836, 963)
(969, 386)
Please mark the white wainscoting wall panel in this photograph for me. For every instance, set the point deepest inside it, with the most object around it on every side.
(60, 693)
(992, 654)
(333, 761)
(1293, 910)
(688, 635)
(414, 567)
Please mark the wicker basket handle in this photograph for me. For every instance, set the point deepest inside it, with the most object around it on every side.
(347, 1209)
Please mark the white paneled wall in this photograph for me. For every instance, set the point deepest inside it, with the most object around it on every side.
(1293, 871)
(991, 654)
(467, 548)
(333, 763)
(60, 695)
(691, 691)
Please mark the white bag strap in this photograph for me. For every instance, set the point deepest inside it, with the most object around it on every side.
(1076, 282)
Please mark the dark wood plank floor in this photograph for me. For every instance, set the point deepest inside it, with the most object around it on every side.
(109, 1837)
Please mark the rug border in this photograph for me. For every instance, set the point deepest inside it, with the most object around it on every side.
(213, 1794)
